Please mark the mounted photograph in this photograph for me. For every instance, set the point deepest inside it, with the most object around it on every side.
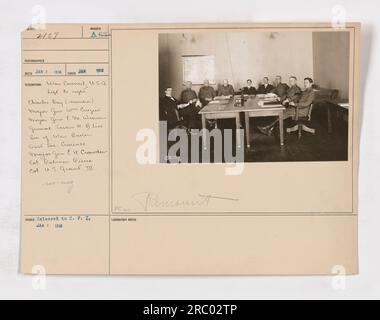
(254, 96)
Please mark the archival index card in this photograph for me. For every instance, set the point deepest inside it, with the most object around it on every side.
(190, 149)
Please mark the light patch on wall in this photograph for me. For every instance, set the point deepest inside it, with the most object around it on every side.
(197, 68)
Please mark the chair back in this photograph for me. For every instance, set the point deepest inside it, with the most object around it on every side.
(309, 113)
(334, 94)
(172, 119)
(162, 112)
(304, 115)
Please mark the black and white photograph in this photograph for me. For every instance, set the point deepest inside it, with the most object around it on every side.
(254, 96)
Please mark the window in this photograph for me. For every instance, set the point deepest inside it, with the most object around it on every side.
(198, 68)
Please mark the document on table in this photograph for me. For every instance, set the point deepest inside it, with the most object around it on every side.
(97, 199)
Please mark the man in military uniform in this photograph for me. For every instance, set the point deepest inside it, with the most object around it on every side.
(206, 93)
(292, 94)
(294, 98)
(226, 89)
(188, 94)
(280, 88)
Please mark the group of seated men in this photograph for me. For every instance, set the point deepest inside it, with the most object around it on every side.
(186, 110)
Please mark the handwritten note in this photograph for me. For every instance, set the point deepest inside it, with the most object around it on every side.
(63, 125)
(65, 121)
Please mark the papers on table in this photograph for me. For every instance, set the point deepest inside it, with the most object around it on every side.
(219, 102)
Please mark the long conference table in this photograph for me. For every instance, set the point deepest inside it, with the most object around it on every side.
(254, 106)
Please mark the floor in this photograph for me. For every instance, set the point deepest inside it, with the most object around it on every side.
(323, 146)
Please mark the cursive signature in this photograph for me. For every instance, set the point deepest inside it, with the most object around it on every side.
(150, 200)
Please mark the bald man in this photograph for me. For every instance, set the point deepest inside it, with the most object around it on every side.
(226, 89)
(206, 93)
(188, 94)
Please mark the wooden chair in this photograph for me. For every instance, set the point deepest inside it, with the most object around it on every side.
(301, 121)
(173, 124)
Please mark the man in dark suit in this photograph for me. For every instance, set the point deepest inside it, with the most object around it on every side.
(294, 98)
(249, 89)
(175, 113)
(280, 88)
(265, 87)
